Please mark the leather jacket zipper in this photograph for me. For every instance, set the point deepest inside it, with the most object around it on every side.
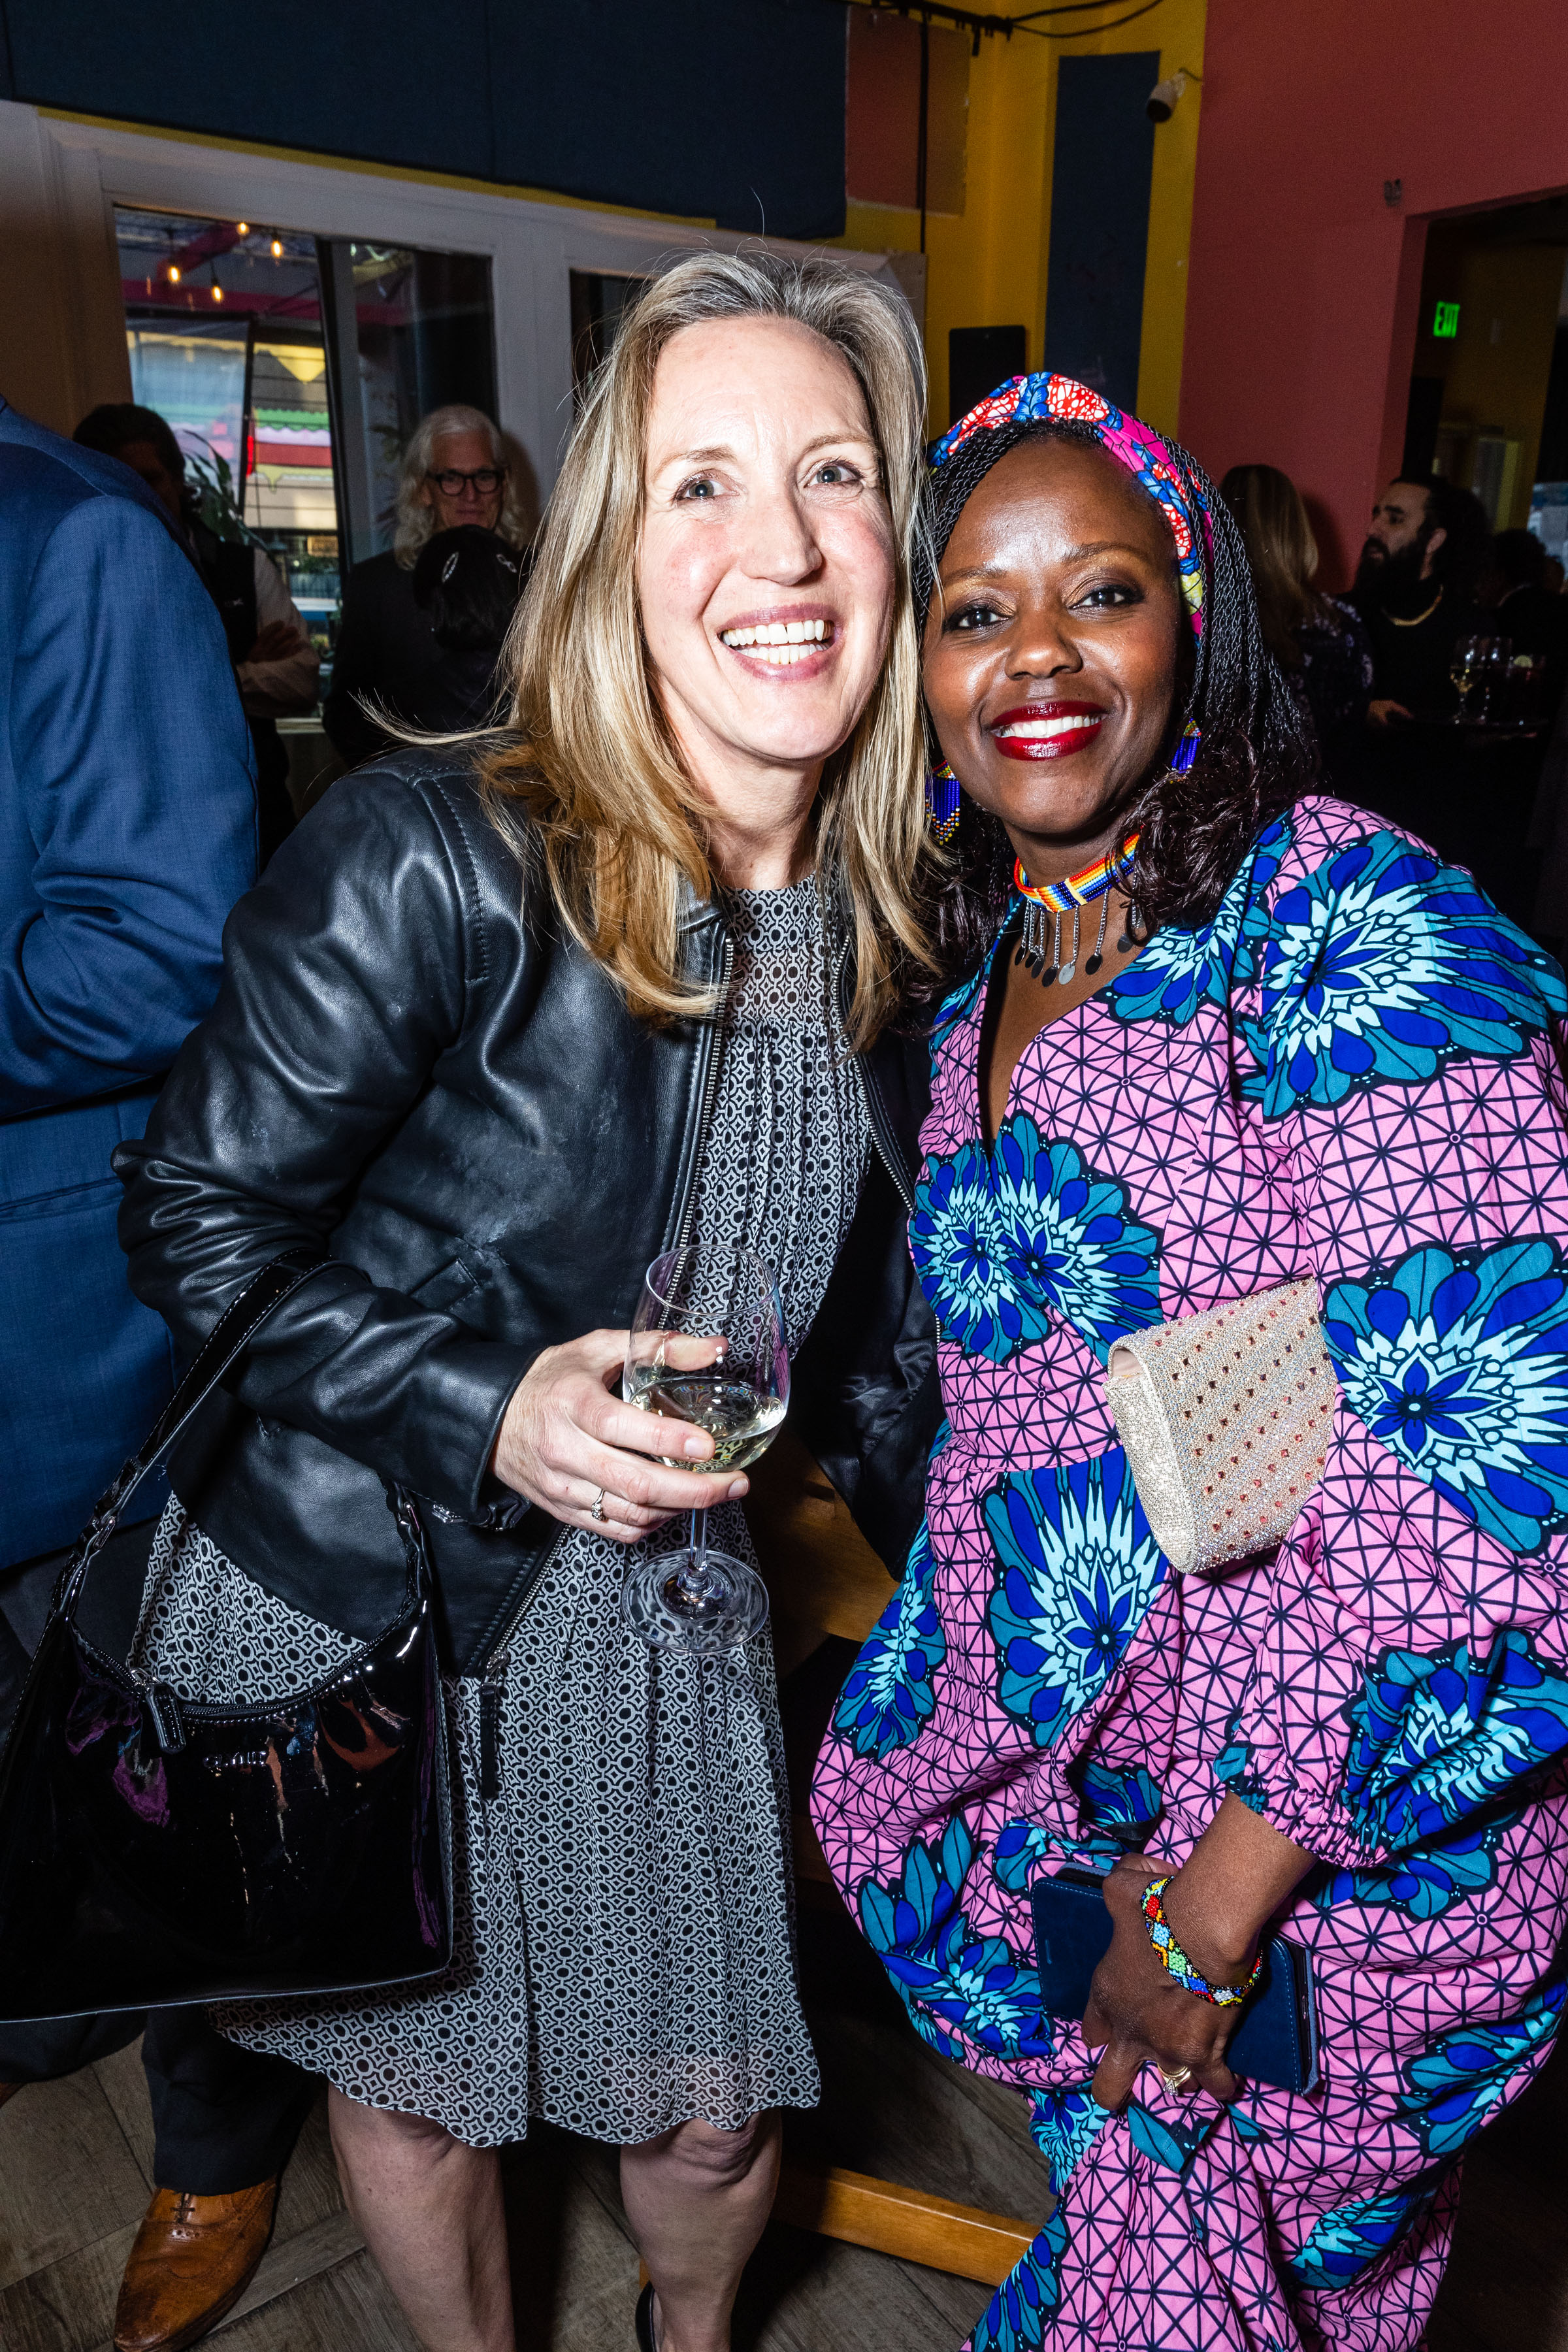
(883, 1137)
(709, 1093)
(496, 1663)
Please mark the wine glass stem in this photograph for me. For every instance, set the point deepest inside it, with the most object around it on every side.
(698, 1543)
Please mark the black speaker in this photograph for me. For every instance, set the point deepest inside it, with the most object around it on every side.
(978, 360)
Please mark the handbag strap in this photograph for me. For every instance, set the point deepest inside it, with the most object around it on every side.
(232, 1333)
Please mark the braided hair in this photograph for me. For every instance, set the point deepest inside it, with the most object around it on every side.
(1256, 753)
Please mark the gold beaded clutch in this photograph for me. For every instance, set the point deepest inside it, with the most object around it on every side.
(1224, 1420)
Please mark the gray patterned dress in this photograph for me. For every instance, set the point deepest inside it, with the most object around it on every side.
(625, 1951)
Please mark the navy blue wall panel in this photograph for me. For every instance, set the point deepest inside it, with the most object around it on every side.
(728, 108)
(1100, 179)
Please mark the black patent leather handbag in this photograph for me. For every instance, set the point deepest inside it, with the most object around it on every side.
(154, 1851)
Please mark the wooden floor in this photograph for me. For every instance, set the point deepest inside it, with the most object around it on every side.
(76, 2170)
(75, 2160)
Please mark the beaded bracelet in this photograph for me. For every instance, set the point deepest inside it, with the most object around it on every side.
(1172, 1957)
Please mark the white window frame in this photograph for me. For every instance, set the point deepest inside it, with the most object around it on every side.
(67, 175)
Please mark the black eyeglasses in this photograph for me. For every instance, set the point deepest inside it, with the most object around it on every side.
(485, 479)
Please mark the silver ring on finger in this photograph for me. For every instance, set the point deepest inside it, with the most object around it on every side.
(598, 1510)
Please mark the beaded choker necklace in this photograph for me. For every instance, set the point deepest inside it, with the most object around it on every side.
(1070, 897)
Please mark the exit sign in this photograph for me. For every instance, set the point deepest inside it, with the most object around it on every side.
(1446, 322)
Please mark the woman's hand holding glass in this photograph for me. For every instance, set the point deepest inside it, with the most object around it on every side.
(567, 1443)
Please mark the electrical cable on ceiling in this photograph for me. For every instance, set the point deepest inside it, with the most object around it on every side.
(971, 21)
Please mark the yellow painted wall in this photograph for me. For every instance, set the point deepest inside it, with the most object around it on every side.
(988, 267)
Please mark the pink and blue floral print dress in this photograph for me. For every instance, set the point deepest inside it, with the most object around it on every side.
(1351, 1072)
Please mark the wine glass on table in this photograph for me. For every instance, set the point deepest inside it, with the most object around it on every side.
(708, 1348)
(1466, 665)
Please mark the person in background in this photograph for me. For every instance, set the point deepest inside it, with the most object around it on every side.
(455, 473)
(1520, 605)
(1514, 782)
(1415, 588)
(274, 664)
(1320, 642)
(468, 582)
(127, 832)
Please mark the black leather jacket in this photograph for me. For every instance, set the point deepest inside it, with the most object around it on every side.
(412, 1068)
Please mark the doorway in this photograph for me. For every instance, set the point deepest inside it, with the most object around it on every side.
(1488, 393)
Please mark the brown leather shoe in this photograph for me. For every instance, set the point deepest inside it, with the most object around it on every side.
(193, 2260)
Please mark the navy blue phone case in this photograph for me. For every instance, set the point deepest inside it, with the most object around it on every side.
(1277, 2041)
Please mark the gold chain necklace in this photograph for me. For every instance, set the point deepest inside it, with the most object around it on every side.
(1415, 624)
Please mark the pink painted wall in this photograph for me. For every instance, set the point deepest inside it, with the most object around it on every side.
(1303, 283)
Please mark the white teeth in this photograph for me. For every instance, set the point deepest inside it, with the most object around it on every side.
(781, 644)
(1042, 729)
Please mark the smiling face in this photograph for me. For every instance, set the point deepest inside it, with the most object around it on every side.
(1051, 674)
(767, 568)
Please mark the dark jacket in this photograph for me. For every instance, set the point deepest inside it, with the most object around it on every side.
(127, 832)
(227, 567)
(411, 1064)
(385, 645)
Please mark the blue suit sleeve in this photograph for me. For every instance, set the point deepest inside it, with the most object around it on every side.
(133, 759)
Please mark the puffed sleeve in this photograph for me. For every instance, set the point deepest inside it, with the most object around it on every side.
(1401, 1051)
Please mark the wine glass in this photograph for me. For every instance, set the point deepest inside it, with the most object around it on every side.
(1494, 679)
(707, 1346)
(1466, 663)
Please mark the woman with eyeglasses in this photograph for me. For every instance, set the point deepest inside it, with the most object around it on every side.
(455, 472)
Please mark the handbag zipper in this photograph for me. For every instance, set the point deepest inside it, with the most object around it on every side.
(496, 1660)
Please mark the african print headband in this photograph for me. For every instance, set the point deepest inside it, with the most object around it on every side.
(965, 454)
(1028, 400)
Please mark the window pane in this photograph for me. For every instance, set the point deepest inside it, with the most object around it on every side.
(599, 298)
(222, 321)
(426, 339)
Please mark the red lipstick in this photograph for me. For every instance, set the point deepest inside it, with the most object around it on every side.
(1047, 730)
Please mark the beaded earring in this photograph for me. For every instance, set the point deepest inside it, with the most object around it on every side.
(942, 802)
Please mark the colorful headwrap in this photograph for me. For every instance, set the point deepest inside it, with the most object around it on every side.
(963, 457)
(1028, 400)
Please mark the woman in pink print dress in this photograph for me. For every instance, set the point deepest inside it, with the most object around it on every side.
(1253, 1036)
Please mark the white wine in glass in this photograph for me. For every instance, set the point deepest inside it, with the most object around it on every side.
(708, 1350)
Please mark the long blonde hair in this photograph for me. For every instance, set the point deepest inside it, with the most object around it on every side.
(416, 511)
(593, 769)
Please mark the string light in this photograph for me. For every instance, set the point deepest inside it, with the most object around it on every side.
(217, 293)
(174, 273)
(276, 248)
(242, 228)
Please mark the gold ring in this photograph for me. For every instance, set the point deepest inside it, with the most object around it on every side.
(1174, 2082)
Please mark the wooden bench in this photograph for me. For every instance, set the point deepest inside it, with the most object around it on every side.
(824, 1579)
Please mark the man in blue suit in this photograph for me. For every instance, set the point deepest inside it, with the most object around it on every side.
(127, 832)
